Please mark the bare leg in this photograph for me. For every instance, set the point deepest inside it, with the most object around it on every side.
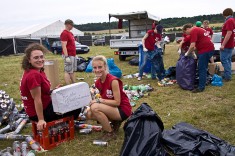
(72, 77)
(212, 59)
(67, 78)
(103, 114)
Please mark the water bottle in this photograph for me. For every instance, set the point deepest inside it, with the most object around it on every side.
(31, 153)
(16, 148)
(24, 148)
(33, 144)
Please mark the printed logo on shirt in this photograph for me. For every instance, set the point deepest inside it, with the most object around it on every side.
(109, 94)
(207, 33)
(24, 98)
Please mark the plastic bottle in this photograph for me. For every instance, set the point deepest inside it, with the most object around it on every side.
(33, 144)
(31, 153)
(24, 148)
(16, 148)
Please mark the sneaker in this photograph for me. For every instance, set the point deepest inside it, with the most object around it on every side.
(108, 136)
(116, 126)
(197, 90)
(139, 79)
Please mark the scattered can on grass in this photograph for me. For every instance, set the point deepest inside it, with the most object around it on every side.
(100, 143)
(85, 131)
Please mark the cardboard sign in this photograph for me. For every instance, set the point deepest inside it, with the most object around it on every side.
(71, 97)
(51, 69)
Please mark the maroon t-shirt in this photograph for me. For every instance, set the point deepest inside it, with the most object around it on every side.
(186, 44)
(229, 25)
(68, 36)
(107, 93)
(30, 80)
(151, 39)
(209, 31)
(202, 40)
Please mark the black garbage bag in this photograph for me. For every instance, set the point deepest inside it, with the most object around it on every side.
(171, 73)
(185, 72)
(82, 67)
(184, 139)
(143, 134)
(80, 60)
(134, 61)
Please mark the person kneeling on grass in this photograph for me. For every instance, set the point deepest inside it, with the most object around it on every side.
(35, 88)
(113, 105)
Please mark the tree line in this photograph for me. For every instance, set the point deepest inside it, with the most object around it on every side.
(166, 23)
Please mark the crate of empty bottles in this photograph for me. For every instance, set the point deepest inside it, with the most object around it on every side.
(55, 133)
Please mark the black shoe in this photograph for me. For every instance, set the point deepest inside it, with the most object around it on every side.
(116, 126)
(197, 90)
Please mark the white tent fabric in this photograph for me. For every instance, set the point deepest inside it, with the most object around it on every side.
(36, 31)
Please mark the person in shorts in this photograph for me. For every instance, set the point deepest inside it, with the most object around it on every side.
(113, 105)
(68, 52)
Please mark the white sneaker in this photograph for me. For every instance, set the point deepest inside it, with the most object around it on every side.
(139, 78)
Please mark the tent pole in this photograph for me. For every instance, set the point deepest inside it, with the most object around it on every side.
(14, 45)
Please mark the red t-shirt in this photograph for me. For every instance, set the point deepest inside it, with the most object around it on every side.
(229, 25)
(151, 39)
(209, 31)
(186, 44)
(106, 92)
(30, 80)
(202, 40)
(68, 36)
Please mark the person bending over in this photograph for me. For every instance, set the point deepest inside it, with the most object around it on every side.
(205, 48)
(35, 88)
(113, 105)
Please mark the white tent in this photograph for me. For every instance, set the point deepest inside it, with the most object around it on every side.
(52, 30)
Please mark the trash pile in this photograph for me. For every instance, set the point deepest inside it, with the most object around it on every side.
(166, 82)
(136, 92)
(10, 116)
(12, 122)
(25, 148)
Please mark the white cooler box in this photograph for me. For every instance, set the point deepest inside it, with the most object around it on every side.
(71, 97)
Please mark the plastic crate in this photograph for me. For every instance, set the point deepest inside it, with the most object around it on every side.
(55, 133)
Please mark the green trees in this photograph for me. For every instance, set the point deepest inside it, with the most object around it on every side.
(166, 23)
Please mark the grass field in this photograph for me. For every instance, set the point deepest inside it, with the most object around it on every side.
(212, 110)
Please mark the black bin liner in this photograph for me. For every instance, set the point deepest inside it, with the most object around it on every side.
(143, 134)
(184, 139)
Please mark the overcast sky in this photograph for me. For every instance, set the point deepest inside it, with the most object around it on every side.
(18, 12)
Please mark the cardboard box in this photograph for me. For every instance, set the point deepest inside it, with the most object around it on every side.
(213, 68)
(217, 68)
(71, 97)
(51, 68)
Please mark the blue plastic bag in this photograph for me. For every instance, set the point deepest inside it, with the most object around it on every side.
(89, 67)
(217, 81)
(185, 72)
(113, 68)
